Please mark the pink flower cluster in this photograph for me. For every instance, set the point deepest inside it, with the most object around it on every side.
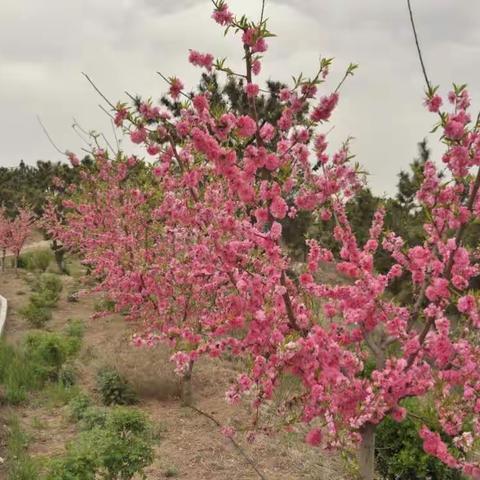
(198, 59)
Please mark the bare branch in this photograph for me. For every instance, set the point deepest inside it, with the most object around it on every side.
(234, 443)
(417, 43)
(45, 131)
(263, 12)
(98, 91)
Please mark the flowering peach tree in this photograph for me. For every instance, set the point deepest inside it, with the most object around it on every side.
(15, 232)
(4, 235)
(191, 246)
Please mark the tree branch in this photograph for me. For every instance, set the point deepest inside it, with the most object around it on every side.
(417, 43)
(98, 90)
(45, 131)
(448, 269)
(234, 443)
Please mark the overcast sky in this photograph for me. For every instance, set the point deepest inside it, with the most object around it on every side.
(46, 44)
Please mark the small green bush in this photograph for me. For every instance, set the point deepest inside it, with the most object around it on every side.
(36, 261)
(67, 376)
(80, 463)
(399, 453)
(47, 288)
(114, 388)
(46, 293)
(35, 315)
(44, 299)
(42, 358)
(118, 449)
(94, 417)
(48, 281)
(48, 352)
(75, 328)
(123, 419)
(78, 406)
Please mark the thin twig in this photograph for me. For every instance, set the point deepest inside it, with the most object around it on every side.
(170, 83)
(263, 12)
(77, 129)
(417, 43)
(115, 135)
(104, 110)
(234, 443)
(45, 131)
(108, 143)
(98, 90)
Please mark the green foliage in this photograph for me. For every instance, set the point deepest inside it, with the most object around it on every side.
(46, 293)
(80, 463)
(48, 282)
(399, 453)
(75, 328)
(56, 395)
(45, 299)
(118, 449)
(409, 183)
(104, 305)
(16, 374)
(35, 315)
(20, 466)
(231, 97)
(122, 419)
(32, 184)
(36, 261)
(82, 410)
(295, 231)
(67, 376)
(93, 417)
(48, 352)
(41, 359)
(78, 405)
(114, 388)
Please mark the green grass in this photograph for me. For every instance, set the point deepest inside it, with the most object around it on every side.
(39, 362)
(56, 395)
(16, 374)
(20, 466)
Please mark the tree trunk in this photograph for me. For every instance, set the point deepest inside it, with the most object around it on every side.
(366, 453)
(60, 259)
(59, 253)
(4, 254)
(186, 393)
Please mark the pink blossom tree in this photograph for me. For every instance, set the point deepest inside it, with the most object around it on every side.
(19, 229)
(4, 235)
(195, 252)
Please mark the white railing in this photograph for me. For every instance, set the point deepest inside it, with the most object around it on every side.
(3, 313)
